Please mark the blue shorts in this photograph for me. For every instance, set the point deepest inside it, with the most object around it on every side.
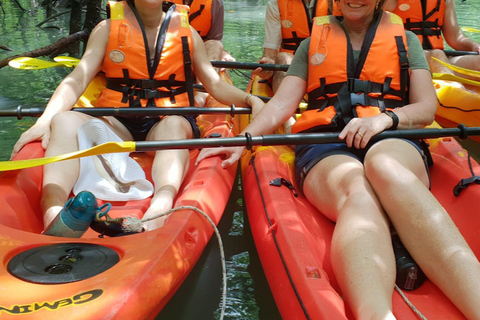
(307, 156)
(140, 126)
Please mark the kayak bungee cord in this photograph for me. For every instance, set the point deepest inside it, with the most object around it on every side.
(134, 225)
(410, 304)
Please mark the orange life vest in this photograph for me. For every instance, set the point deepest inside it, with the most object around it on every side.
(134, 78)
(425, 19)
(338, 90)
(200, 15)
(296, 24)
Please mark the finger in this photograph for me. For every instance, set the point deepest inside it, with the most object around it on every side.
(209, 152)
(230, 161)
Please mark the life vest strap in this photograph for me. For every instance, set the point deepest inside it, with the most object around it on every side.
(135, 89)
(291, 43)
(424, 28)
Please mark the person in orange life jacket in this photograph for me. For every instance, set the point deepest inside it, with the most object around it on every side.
(287, 23)
(207, 18)
(111, 49)
(365, 74)
(434, 24)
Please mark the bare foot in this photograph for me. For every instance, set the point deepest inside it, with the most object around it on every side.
(160, 203)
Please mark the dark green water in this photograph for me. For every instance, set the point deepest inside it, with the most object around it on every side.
(248, 296)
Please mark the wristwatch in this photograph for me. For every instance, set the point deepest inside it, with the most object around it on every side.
(394, 117)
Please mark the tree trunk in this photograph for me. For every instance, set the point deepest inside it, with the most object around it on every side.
(75, 26)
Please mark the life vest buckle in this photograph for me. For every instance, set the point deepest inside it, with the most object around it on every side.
(357, 85)
(357, 99)
(148, 84)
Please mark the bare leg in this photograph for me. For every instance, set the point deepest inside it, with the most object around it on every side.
(169, 167)
(397, 173)
(362, 253)
(60, 177)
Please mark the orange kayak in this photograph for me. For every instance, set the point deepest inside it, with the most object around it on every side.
(128, 277)
(293, 238)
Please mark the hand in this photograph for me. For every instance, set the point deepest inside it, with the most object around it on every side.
(359, 131)
(260, 72)
(39, 131)
(226, 56)
(232, 154)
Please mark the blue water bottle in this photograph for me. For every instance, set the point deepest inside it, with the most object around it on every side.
(75, 217)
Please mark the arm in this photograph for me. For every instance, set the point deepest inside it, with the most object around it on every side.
(70, 89)
(452, 33)
(220, 90)
(273, 38)
(213, 40)
(278, 110)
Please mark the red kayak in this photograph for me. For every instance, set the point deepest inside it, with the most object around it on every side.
(92, 277)
(293, 238)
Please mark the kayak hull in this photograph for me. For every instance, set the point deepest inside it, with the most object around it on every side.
(151, 265)
(293, 238)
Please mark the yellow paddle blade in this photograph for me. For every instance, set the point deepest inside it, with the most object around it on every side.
(452, 77)
(28, 63)
(468, 29)
(468, 72)
(67, 61)
(109, 147)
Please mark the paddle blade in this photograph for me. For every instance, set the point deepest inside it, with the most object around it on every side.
(452, 77)
(28, 63)
(468, 29)
(70, 62)
(468, 72)
(109, 147)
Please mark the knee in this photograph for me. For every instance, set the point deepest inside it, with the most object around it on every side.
(67, 122)
(284, 58)
(383, 170)
(170, 128)
(436, 53)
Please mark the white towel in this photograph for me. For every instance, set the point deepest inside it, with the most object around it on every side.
(113, 176)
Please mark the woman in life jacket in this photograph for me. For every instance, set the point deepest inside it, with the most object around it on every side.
(364, 74)
(435, 21)
(148, 54)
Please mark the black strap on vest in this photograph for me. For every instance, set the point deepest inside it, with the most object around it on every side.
(292, 43)
(196, 14)
(187, 63)
(426, 28)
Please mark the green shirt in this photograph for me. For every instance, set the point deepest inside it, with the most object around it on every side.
(416, 57)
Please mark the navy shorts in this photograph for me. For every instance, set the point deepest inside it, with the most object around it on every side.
(307, 156)
(140, 126)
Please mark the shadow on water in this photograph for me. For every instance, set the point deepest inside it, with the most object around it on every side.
(248, 294)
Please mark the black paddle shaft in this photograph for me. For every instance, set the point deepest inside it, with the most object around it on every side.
(20, 111)
(300, 138)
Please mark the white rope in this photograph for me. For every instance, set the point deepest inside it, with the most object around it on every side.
(410, 304)
(132, 223)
